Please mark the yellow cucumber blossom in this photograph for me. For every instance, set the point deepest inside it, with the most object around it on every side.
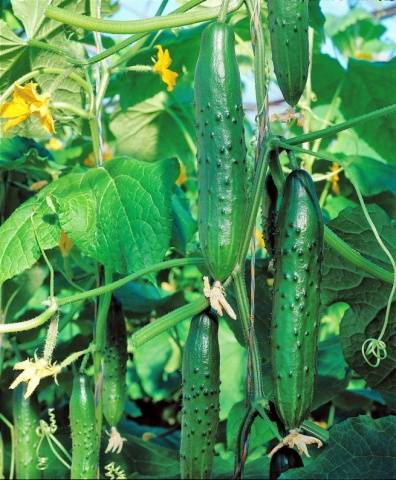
(27, 102)
(162, 65)
(33, 371)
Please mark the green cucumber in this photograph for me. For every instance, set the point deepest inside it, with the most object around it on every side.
(114, 366)
(270, 210)
(26, 421)
(201, 387)
(288, 24)
(221, 151)
(296, 301)
(85, 445)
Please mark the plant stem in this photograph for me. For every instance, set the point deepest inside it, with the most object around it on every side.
(257, 190)
(29, 324)
(257, 389)
(177, 262)
(168, 321)
(328, 132)
(354, 257)
(71, 108)
(223, 11)
(132, 26)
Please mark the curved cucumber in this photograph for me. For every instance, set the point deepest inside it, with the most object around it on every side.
(222, 167)
(26, 420)
(114, 366)
(85, 453)
(295, 315)
(288, 23)
(201, 383)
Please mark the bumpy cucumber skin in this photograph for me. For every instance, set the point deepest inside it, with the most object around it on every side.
(85, 454)
(221, 151)
(288, 23)
(296, 302)
(270, 209)
(114, 366)
(26, 421)
(201, 387)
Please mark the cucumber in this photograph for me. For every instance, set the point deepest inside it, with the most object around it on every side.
(270, 210)
(85, 445)
(26, 420)
(282, 461)
(221, 151)
(288, 24)
(296, 301)
(201, 387)
(114, 366)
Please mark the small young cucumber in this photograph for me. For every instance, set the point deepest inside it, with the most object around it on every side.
(288, 24)
(295, 315)
(85, 451)
(221, 151)
(201, 387)
(114, 366)
(26, 421)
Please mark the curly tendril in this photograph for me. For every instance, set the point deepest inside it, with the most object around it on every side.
(376, 347)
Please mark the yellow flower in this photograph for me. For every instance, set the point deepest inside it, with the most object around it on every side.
(182, 175)
(33, 372)
(335, 179)
(54, 144)
(27, 102)
(162, 67)
(259, 238)
(65, 244)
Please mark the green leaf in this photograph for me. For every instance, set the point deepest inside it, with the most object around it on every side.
(327, 76)
(18, 153)
(331, 373)
(154, 129)
(360, 94)
(183, 226)
(18, 246)
(31, 13)
(13, 58)
(372, 176)
(139, 297)
(358, 448)
(120, 214)
(367, 297)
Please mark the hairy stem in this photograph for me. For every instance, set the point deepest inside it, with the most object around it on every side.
(168, 321)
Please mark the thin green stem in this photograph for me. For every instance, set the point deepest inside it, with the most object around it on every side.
(71, 108)
(256, 389)
(100, 324)
(354, 257)
(30, 324)
(221, 18)
(95, 137)
(178, 262)
(255, 201)
(330, 131)
(59, 51)
(168, 321)
(132, 26)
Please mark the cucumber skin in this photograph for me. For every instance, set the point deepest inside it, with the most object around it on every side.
(85, 452)
(26, 420)
(201, 388)
(221, 151)
(114, 366)
(296, 301)
(288, 24)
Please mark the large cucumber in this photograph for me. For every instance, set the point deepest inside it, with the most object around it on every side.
(114, 366)
(295, 316)
(222, 167)
(288, 23)
(85, 452)
(201, 387)
(26, 421)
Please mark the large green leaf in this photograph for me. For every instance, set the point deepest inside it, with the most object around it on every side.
(18, 245)
(120, 214)
(358, 448)
(154, 129)
(31, 13)
(367, 297)
(13, 58)
(360, 94)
